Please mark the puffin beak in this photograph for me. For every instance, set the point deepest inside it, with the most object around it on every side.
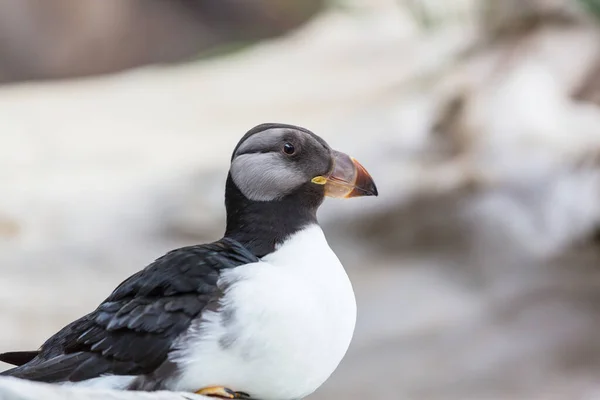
(346, 179)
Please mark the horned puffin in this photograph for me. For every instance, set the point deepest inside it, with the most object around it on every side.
(267, 312)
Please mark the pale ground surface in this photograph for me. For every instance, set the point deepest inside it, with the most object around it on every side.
(17, 389)
(468, 279)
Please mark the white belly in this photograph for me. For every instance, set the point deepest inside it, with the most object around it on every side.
(293, 319)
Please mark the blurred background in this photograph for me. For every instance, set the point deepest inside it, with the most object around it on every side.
(477, 270)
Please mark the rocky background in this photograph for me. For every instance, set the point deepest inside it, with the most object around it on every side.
(476, 270)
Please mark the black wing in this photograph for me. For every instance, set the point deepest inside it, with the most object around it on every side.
(132, 331)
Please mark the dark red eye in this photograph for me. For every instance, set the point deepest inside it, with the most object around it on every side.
(289, 149)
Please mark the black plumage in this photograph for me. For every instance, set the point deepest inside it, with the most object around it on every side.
(133, 330)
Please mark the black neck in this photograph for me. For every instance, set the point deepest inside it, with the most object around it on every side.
(261, 225)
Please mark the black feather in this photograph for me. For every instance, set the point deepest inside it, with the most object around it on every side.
(18, 357)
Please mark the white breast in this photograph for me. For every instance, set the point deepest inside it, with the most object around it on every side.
(284, 326)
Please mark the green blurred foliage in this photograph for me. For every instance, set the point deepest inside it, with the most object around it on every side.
(593, 6)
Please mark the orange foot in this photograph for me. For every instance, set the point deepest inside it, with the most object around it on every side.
(222, 393)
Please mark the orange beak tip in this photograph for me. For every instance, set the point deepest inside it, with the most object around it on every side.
(364, 190)
(364, 185)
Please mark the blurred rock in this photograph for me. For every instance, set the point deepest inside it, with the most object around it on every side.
(67, 38)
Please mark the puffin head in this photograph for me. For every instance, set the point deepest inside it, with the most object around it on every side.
(280, 175)
(273, 161)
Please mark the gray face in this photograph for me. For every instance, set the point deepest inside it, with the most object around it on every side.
(272, 163)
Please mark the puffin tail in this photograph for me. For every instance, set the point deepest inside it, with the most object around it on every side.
(18, 358)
